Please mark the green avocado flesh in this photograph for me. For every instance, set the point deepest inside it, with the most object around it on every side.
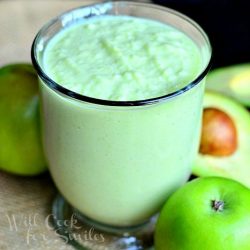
(233, 81)
(237, 165)
(20, 143)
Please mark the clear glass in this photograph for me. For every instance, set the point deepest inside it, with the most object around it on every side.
(115, 163)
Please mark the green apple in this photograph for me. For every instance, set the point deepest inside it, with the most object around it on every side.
(20, 141)
(210, 213)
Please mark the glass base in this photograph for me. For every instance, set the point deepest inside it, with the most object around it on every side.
(84, 233)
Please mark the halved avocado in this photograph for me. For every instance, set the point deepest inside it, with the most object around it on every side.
(20, 140)
(233, 81)
(225, 139)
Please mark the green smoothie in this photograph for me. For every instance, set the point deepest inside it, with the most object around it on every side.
(122, 58)
(117, 165)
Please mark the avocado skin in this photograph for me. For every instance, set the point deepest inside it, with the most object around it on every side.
(237, 165)
(219, 80)
(20, 141)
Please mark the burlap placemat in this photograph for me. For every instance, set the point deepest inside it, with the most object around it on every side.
(25, 203)
(24, 208)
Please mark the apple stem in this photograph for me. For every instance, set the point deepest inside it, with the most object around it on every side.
(218, 205)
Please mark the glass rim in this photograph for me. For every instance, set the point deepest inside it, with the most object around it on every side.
(83, 98)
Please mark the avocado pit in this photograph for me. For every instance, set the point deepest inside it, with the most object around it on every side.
(219, 133)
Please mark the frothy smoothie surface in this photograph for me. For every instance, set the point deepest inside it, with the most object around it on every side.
(122, 58)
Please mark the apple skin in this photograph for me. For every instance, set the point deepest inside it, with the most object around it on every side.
(20, 141)
(188, 220)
